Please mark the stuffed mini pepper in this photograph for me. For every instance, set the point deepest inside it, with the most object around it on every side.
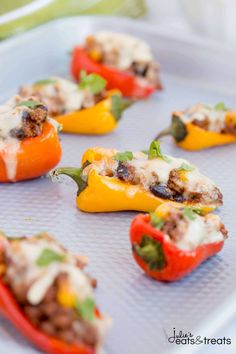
(29, 144)
(202, 126)
(171, 242)
(124, 61)
(46, 295)
(110, 180)
(84, 108)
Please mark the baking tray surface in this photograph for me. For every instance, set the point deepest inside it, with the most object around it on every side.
(144, 311)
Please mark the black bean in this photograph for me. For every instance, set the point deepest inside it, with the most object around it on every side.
(162, 191)
(122, 172)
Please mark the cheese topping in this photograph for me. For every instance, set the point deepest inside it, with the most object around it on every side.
(40, 278)
(59, 95)
(201, 230)
(147, 169)
(130, 49)
(10, 119)
(200, 112)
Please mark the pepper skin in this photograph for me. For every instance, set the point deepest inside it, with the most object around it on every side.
(191, 137)
(99, 119)
(108, 194)
(171, 262)
(127, 83)
(36, 156)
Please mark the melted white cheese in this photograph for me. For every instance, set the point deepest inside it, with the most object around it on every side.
(145, 168)
(60, 94)
(129, 48)
(201, 231)
(10, 118)
(201, 111)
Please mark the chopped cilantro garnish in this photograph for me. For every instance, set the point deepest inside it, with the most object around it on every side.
(156, 221)
(86, 309)
(92, 82)
(220, 107)
(189, 213)
(123, 156)
(155, 151)
(185, 167)
(45, 82)
(48, 256)
(30, 104)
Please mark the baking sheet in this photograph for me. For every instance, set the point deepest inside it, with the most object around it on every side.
(144, 311)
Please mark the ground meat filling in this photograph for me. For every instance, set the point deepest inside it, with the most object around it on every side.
(32, 123)
(211, 118)
(204, 124)
(177, 225)
(62, 96)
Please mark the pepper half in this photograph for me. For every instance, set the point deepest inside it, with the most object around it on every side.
(108, 194)
(35, 157)
(127, 83)
(99, 119)
(191, 137)
(12, 312)
(159, 258)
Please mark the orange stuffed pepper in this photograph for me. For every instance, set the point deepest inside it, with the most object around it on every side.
(29, 143)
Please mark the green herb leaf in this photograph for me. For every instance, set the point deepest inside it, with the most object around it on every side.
(48, 256)
(155, 151)
(92, 82)
(189, 213)
(45, 82)
(220, 107)
(185, 167)
(118, 105)
(86, 309)
(30, 104)
(123, 156)
(156, 221)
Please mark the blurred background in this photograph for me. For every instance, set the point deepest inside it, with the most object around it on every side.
(201, 18)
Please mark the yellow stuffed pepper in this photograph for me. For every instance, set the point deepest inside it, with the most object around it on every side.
(202, 126)
(86, 108)
(110, 180)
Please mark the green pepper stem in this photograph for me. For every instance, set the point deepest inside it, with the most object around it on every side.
(148, 252)
(151, 252)
(177, 129)
(165, 132)
(118, 105)
(72, 172)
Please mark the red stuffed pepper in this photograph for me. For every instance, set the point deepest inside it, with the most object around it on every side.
(46, 295)
(173, 241)
(124, 61)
